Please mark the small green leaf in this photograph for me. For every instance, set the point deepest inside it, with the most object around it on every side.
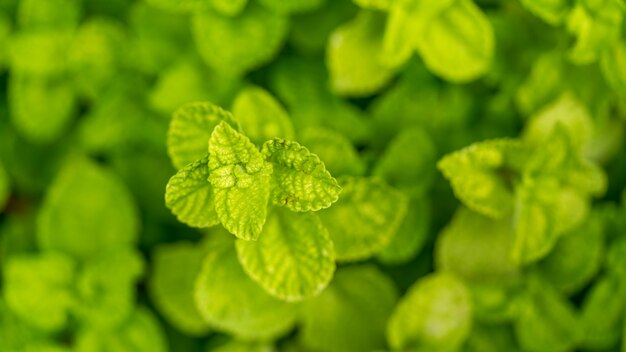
(241, 182)
(435, 315)
(602, 313)
(552, 11)
(238, 44)
(86, 210)
(229, 7)
(597, 26)
(38, 289)
(174, 271)
(190, 196)
(52, 14)
(292, 6)
(190, 130)
(230, 301)
(482, 175)
(365, 219)
(613, 64)
(40, 52)
(411, 236)
(457, 42)
(301, 181)
(339, 155)
(352, 56)
(261, 116)
(398, 41)
(351, 313)
(294, 257)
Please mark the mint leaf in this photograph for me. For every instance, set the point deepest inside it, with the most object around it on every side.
(241, 182)
(229, 7)
(350, 315)
(39, 52)
(438, 300)
(613, 65)
(301, 181)
(481, 175)
(456, 41)
(597, 26)
(352, 56)
(87, 210)
(411, 236)
(365, 219)
(261, 116)
(238, 44)
(552, 11)
(294, 257)
(190, 129)
(53, 14)
(602, 313)
(175, 269)
(190, 196)
(38, 289)
(230, 301)
(339, 155)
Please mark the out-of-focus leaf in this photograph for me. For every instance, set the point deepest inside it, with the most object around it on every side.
(411, 235)
(190, 129)
(5, 187)
(230, 301)
(175, 269)
(52, 14)
(41, 52)
(293, 258)
(338, 154)
(261, 116)
(87, 210)
(292, 6)
(365, 218)
(613, 64)
(241, 182)
(349, 315)
(434, 315)
(552, 11)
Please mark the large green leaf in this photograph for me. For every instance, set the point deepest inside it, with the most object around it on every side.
(365, 219)
(435, 315)
(350, 315)
(301, 181)
(174, 272)
(230, 301)
(190, 196)
(241, 182)
(190, 130)
(293, 259)
(238, 44)
(86, 210)
(38, 289)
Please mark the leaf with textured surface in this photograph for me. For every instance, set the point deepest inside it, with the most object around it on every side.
(301, 181)
(230, 301)
(351, 313)
(339, 155)
(190, 130)
(365, 219)
(190, 196)
(174, 272)
(435, 314)
(293, 258)
(241, 182)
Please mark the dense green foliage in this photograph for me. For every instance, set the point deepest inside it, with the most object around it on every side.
(312, 175)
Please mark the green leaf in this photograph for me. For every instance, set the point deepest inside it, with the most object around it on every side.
(350, 315)
(40, 52)
(181, 5)
(613, 65)
(87, 210)
(241, 182)
(301, 181)
(339, 155)
(294, 257)
(597, 26)
(292, 6)
(435, 314)
(140, 333)
(245, 346)
(352, 56)
(53, 14)
(374, 4)
(552, 11)
(105, 288)
(456, 42)
(190, 129)
(411, 236)
(547, 321)
(261, 116)
(190, 196)
(410, 172)
(481, 175)
(15, 333)
(38, 289)
(365, 219)
(229, 7)
(398, 41)
(477, 248)
(231, 302)
(174, 272)
(602, 313)
(41, 107)
(240, 43)
(5, 187)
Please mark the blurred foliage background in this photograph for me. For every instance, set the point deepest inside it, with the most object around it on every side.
(92, 260)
